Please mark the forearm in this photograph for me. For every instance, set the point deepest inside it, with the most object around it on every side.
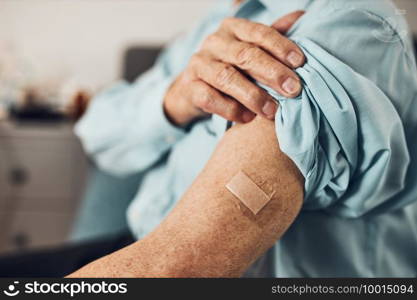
(210, 233)
(114, 129)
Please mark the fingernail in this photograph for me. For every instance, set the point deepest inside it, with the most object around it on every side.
(295, 59)
(247, 116)
(269, 109)
(291, 86)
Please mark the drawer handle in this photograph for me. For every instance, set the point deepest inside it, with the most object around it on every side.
(18, 176)
(20, 240)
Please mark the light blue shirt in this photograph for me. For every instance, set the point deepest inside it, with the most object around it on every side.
(352, 133)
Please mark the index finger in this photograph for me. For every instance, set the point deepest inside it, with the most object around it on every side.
(267, 38)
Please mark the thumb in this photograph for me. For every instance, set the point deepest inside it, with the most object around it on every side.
(285, 23)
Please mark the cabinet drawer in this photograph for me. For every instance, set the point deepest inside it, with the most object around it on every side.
(2, 203)
(40, 204)
(37, 170)
(29, 230)
(4, 186)
(3, 194)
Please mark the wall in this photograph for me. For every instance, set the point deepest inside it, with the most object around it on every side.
(83, 40)
(87, 37)
(410, 7)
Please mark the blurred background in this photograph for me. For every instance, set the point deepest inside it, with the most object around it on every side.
(54, 56)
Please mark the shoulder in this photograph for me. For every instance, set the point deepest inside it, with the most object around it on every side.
(379, 19)
(364, 34)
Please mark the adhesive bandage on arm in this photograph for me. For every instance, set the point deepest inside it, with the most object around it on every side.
(250, 194)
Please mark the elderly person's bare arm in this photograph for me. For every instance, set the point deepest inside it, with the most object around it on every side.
(210, 233)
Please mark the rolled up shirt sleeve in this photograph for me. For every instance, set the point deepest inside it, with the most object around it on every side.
(345, 132)
(345, 136)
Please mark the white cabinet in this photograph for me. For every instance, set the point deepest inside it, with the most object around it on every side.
(26, 230)
(42, 177)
